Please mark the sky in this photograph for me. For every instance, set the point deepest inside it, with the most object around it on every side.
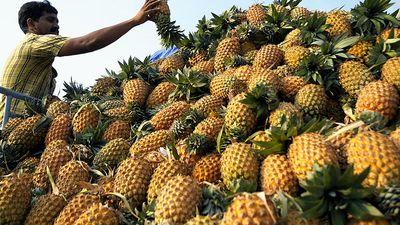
(79, 17)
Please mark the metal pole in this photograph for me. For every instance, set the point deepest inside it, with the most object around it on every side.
(6, 111)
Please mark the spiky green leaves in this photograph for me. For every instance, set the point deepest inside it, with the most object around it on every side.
(263, 99)
(186, 123)
(370, 16)
(170, 33)
(336, 194)
(135, 68)
(314, 27)
(190, 84)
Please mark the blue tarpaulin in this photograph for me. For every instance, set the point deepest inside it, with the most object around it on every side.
(163, 53)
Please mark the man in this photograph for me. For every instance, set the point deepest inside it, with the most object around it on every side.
(29, 70)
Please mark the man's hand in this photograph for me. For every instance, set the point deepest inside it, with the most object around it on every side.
(147, 11)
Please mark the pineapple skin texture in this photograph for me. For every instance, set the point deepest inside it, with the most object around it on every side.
(368, 222)
(87, 116)
(203, 220)
(268, 57)
(378, 96)
(228, 47)
(239, 161)
(376, 150)
(256, 14)
(46, 210)
(208, 104)
(240, 117)
(112, 154)
(353, 76)
(151, 142)
(117, 129)
(208, 169)
(250, 209)
(276, 175)
(164, 119)
(75, 207)
(391, 71)
(361, 50)
(312, 100)
(69, 177)
(178, 201)
(160, 94)
(339, 24)
(308, 149)
(290, 86)
(15, 196)
(136, 91)
(294, 55)
(98, 214)
(60, 129)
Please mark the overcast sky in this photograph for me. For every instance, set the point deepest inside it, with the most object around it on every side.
(79, 17)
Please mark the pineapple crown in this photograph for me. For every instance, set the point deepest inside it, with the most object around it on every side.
(190, 84)
(135, 68)
(383, 51)
(236, 61)
(334, 193)
(278, 22)
(223, 23)
(388, 202)
(287, 3)
(187, 121)
(170, 34)
(335, 50)
(75, 91)
(92, 137)
(262, 98)
(197, 144)
(214, 202)
(259, 35)
(314, 27)
(370, 17)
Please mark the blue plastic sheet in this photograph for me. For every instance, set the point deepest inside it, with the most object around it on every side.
(163, 53)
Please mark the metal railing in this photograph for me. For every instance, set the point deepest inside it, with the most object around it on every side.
(9, 95)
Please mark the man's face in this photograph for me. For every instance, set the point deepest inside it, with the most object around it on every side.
(46, 24)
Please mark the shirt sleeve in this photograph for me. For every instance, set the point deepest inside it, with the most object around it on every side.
(48, 45)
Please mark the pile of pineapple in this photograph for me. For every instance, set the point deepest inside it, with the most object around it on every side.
(270, 115)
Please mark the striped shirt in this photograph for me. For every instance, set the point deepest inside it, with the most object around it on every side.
(29, 70)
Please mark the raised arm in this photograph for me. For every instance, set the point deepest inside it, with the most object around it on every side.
(103, 37)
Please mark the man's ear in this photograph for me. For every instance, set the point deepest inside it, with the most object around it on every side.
(30, 23)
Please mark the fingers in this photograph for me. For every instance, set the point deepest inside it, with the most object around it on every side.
(152, 3)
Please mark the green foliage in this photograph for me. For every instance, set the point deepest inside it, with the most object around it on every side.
(190, 84)
(263, 99)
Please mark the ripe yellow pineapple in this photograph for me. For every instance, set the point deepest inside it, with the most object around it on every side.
(285, 109)
(250, 209)
(136, 91)
(295, 217)
(312, 100)
(15, 197)
(151, 142)
(290, 85)
(204, 67)
(57, 108)
(171, 63)
(292, 39)
(264, 76)
(386, 33)
(87, 116)
(239, 161)
(60, 129)
(339, 22)
(132, 180)
(164, 118)
(227, 48)
(209, 127)
(208, 104)
(69, 177)
(395, 136)
(353, 76)
(240, 120)
(75, 207)
(98, 214)
(377, 151)
(269, 57)
(361, 50)
(28, 165)
(178, 200)
(299, 13)
(10, 126)
(244, 73)
(197, 57)
(203, 220)
(117, 129)
(391, 71)
(45, 210)
(284, 71)
(378, 96)
(308, 149)
(294, 55)
(164, 172)
(160, 94)
(208, 169)
(276, 175)
(221, 85)
(102, 86)
(256, 14)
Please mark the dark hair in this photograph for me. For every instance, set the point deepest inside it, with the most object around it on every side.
(33, 10)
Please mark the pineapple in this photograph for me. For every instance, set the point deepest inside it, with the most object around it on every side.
(312, 100)
(239, 162)
(353, 76)
(160, 94)
(204, 67)
(208, 104)
(378, 96)
(11, 124)
(203, 220)
(102, 86)
(388, 202)
(293, 38)
(117, 129)
(136, 91)
(45, 210)
(191, 149)
(250, 209)
(111, 104)
(222, 85)
(228, 47)
(284, 71)
(209, 127)
(369, 222)
(290, 86)
(294, 55)
(395, 136)
(264, 76)
(390, 71)
(207, 169)
(339, 22)
(240, 120)
(285, 109)
(28, 165)
(70, 176)
(178, 200)
(295, 217)
(60, 129)
(277, 175)
(164, 118)
(164, 172)
(98, 214)
(244, 73)
(15, 196)
(57, 108)
(308, 149)
(75, 207)
(197, 57)
(362, 51)
(171, 64)
(88, 116)
(377, 151)
(256, 14)
(151, 142)
(299, 13)
(132, 180)
(269, 57)
(385, 34)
